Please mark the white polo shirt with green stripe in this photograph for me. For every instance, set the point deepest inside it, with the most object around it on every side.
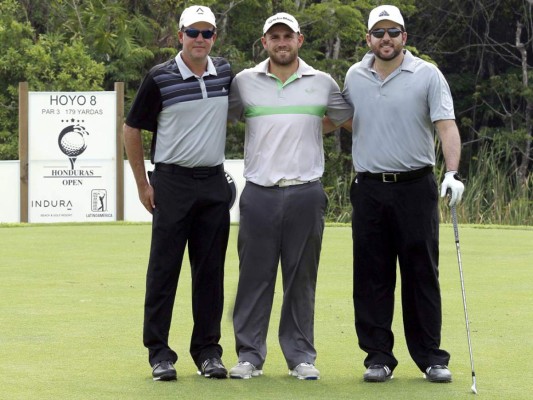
(283, 138)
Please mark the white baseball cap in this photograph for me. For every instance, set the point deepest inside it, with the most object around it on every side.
(281, 18)
(194, 14)
(386, 12)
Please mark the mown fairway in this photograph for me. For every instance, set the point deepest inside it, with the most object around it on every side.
(71, 307)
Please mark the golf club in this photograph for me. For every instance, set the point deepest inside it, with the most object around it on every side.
(456, 232)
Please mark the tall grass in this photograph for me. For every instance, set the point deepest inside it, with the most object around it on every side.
(492, 193)
(338, 192)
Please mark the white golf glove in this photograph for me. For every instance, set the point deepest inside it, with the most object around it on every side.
(452, 183)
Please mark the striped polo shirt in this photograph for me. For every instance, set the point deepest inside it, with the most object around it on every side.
(187, 113)
(283, 138)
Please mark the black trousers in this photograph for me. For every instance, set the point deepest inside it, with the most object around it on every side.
(195, 212)
(397, 222)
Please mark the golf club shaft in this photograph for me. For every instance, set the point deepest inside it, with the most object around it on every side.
(456, 232)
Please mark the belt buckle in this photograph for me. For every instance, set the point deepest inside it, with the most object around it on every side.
(289, 182)
(200, 172)
(385, 175)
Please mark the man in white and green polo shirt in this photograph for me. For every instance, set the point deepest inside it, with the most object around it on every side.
(283, 101)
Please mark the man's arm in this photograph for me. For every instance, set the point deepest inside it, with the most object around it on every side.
(451, 148)
(451, 143)
(328, 125)
(134, 150)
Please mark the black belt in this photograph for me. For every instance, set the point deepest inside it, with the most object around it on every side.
(195, 172)
(393, 177)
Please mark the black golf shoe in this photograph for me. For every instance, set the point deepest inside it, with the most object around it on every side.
(213, 368)
(439, 374)
(164, 371)
(377, 373)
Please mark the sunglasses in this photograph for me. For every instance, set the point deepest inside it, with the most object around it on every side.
(379, 33)
(193, 33)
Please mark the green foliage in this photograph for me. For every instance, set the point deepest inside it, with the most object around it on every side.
(125, 43)
(235, 141)
(50, 65)
(45, 62)
(13, 36)
(506, 103)
(91, 44)
(338, 176)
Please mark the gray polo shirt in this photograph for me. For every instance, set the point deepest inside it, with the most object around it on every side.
(393, 119)
(283, 138)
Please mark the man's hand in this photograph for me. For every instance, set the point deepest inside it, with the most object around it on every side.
(146, 195)
(452, 183)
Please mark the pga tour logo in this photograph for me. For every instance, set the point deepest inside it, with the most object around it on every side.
(99, 200)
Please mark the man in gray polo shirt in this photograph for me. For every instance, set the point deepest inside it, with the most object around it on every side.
(399, 100)
(283, 101)
(184, 102)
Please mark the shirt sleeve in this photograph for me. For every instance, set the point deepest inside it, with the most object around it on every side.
(439, 97)
(146, 106)
(235, 107)
(339, 110)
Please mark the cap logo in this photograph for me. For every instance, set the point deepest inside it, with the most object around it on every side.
(384, 13)
(281, 18)
(200, 11)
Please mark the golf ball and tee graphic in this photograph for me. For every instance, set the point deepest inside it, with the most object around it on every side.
(72, 142)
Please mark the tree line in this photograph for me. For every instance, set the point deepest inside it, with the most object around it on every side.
(483, 47)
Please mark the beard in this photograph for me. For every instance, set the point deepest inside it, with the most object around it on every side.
(282, 58)
(397, 50)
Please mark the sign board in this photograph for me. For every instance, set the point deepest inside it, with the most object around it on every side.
(72, 156)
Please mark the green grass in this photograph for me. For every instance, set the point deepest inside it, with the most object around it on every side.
(71, 307)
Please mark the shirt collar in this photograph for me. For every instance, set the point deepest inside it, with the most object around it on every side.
(186, 73)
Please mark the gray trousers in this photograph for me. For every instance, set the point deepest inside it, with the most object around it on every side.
(278, 224)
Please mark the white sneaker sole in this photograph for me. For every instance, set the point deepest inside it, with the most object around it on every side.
(304, 377)
(165, 378)
(257, 372)
(307, 378)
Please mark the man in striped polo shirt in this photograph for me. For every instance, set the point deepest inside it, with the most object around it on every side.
(283, 101)
(184, 102)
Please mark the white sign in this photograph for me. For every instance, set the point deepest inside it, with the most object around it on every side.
(72, 156)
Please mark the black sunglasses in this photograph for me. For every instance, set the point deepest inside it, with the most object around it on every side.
(379, 33)
(193, 33)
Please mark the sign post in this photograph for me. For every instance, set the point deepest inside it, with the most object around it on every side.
(23, 149)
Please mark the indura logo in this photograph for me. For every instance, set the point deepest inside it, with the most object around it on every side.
(55, 204)
(71, 141)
